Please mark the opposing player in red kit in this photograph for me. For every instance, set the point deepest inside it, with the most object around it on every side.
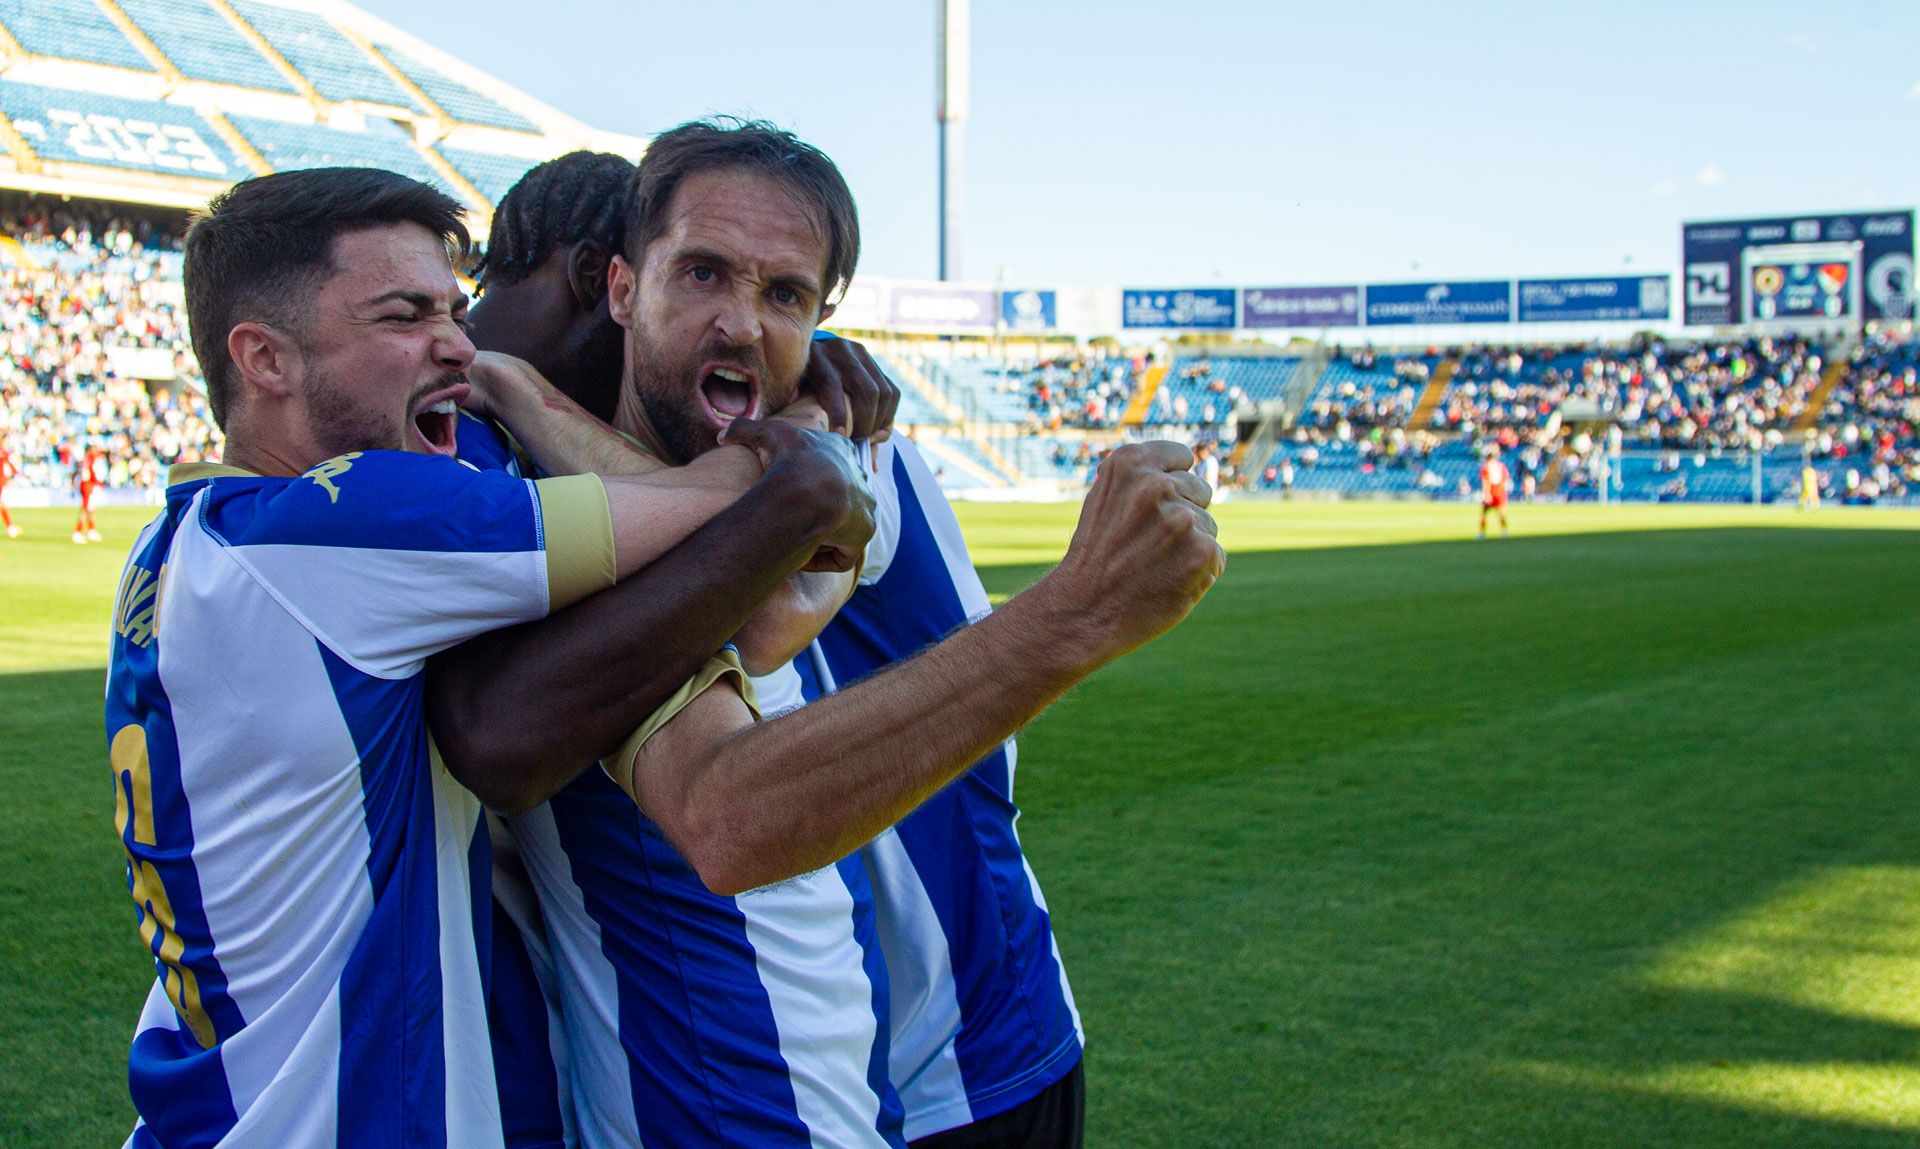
(1494, 481)
(7, 471)
(89, 477)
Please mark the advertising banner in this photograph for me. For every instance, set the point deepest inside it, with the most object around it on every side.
(1605, 298)
(1214, 308)
(1300, 307)
(1029, 310)
(1407, 304)
(942, 307)
(1726, 262)
(862, 307)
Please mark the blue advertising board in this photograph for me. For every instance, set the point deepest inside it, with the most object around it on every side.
(1406, 304)
(1176, 308)
(1300, 307)
(1029, 310)
(1603, 298)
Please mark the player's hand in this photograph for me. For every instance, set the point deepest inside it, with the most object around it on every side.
(804, 412)
(859, 400)
(1144, 552)
(819, 472)
(493, 377)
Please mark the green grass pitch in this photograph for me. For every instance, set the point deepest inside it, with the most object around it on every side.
(1600, 836)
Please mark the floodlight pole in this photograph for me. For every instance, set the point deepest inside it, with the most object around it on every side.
(952, 63)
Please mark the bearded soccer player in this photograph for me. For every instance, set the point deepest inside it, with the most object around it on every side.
(304, 871)
(761, 1019)
(1494, 483)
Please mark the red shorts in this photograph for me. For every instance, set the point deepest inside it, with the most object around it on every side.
(1494, 499)
(87, 490)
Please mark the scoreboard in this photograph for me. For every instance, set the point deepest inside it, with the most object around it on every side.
(1822, 270)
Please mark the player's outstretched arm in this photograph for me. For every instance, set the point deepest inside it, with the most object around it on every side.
(749, 804)
(517, 713)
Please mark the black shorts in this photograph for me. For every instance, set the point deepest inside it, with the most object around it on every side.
(1055, 1118)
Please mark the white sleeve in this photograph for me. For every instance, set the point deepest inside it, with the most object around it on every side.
(886, 510)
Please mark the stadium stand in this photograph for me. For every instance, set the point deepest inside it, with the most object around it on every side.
(382, 144)
(93, 303)
(454, 98)
(117, 132)
(70, 30)
(204, 45)
(336, 68)
(491, 175)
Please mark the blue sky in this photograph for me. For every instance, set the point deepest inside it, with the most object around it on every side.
(1202, 141)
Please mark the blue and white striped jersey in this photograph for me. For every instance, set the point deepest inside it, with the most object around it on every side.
(694, 1019)
(311, 883)
(982, 1016)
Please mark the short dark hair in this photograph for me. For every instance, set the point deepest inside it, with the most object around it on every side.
(265, 242)
(581, 195)
(727, 143)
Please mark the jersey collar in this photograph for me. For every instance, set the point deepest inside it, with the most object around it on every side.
(181, 473)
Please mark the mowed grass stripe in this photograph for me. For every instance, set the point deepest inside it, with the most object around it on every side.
(1449, 843)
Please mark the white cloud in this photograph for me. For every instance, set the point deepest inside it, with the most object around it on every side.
(1662, 190)
(1710, 176)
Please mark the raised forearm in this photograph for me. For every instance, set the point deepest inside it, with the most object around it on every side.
(561, 435)
(800, 791)
(519, 712)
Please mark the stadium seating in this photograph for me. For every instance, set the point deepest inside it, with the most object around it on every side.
(331, 63)
(288, 147)
(914, 409)
(492, 175)
(204, 44)
(116, 132)
(70, 30)
(457, 99)
(1218, 385)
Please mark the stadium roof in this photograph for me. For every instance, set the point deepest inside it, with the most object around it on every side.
(166, 102)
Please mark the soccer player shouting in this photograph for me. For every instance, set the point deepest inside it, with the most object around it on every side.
(696, 1018)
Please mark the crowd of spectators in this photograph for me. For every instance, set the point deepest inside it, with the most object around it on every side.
(94, 351)
(1089, 392)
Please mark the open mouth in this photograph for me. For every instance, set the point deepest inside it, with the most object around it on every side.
(435, 424)
(729, 393)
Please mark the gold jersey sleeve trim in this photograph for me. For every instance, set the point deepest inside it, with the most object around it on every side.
(578, 528)
(722, 665)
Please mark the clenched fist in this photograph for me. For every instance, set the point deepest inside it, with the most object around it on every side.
(1144, 552)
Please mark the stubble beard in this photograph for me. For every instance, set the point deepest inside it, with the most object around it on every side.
(338, 426)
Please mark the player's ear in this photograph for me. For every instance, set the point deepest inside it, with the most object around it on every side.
(826, 313)
(622, 284)
(264, 357)
(587, 273)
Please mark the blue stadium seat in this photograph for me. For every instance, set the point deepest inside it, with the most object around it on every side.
(456, 99)
(116, 132)
(1259, 379)
(914, 410)
(329, 61)
(70, 30)
(204, 44)
(288, 147)
(492, 175)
